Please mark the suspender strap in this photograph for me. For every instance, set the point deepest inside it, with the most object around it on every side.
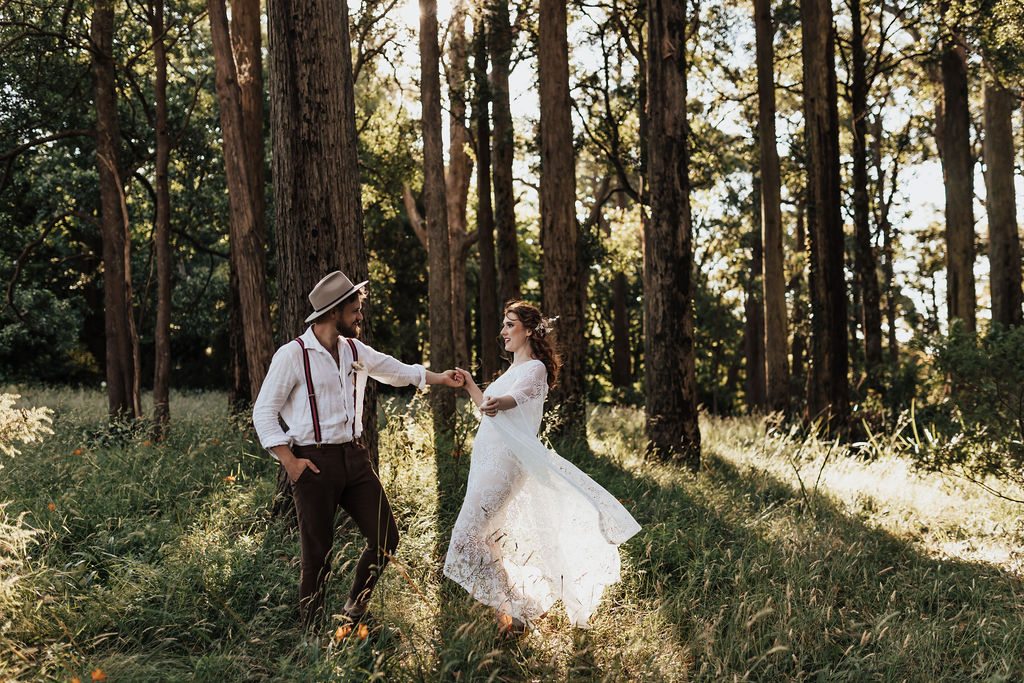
(355, 386)
(309, 391)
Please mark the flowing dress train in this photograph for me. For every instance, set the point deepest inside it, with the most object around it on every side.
(533, 527)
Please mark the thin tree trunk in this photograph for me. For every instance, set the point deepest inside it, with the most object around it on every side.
(670, 372)
(958, 175)
(489, 318)
(754, 327)
(317, 197)
(621, 374)
(245, 245)
(1000, 202)
(161, 236)
(828, 394)
(776, 335)
(246, 44)
(500, 43)
(796, 287)
(460, 168)
(441, 352)
(864, 254)
(562, 282)
(121, 336)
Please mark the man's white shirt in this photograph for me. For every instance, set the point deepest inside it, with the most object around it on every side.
(338, 388)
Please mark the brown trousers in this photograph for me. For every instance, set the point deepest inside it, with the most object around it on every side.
(346, 478)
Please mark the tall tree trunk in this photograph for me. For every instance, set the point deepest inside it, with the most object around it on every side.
(828, 394)
(1000, 202)
(460, 168)
(670, 371)
(246, 44)
(776, 335)
(121, 336)
(245, 244)
(796, 287)
(884, 204)
(318, 215)
(499, 36)
(754, 327)
(489, 318)
(441, 353)
(161, 235)
(864, 254)
(562, 281)
(958, 175)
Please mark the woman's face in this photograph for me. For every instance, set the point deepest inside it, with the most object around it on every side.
(513, 332)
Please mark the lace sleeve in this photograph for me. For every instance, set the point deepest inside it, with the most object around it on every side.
(531, 385)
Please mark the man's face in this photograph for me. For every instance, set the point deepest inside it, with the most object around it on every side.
(349, 318)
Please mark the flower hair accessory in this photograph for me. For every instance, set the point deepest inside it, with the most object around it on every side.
(546, 325)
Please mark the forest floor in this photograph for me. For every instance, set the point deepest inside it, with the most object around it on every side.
(784, 558)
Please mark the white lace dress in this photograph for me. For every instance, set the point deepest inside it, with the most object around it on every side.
(533, 527)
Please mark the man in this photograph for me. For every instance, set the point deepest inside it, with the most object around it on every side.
(315, 383)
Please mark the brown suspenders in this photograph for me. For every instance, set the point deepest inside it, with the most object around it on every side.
(312, 394)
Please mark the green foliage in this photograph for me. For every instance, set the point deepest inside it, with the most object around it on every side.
(977, 404)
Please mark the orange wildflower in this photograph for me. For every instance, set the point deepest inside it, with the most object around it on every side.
(51, 507)
(362, 632)
(98, 675)
(78, 451)
(230, 477)
(342, 632)
(147, 443)
(76, 679)
(216, 443)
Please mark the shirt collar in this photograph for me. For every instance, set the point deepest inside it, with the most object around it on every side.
(311, 342)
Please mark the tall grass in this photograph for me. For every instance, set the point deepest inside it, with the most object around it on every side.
(160, 561)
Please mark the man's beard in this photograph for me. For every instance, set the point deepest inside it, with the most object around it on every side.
(348, 330)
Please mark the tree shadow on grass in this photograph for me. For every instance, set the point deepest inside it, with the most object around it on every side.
(752, 582)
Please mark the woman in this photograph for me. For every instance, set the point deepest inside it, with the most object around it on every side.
(533, 528)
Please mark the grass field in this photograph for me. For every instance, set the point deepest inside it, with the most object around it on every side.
(782, 559)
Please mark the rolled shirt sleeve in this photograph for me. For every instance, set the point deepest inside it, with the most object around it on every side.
(384, 368)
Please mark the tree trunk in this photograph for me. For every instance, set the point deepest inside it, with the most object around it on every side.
(958, 175)
(460, 168)
(317, 196)
(864, 254)
(245, 245)
(828, 394)
(500, 44)
(754, 332)
(122, 339)
(796, 287)
(246, 44)
(562, 282)
(1000, 202)
(621, 367)
(161, 235)
(489, 319)
(441, 353)
(776, 335)
(670, 371)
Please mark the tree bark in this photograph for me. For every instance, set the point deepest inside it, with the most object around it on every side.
(246, 247)
(246, 45)
(441, 353)
(670, 370)
(754, 323)
(460, 168)
(489, 318)
(317, 196)
(1001, 205)
(796, 287)
(562, 283)
(161, 234)
(776, 335)
(958, 176)
(864, 254)
(828, 395)
(122, 339)
(499, 37)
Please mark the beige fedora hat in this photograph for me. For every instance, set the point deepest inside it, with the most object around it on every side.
(330, 291)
